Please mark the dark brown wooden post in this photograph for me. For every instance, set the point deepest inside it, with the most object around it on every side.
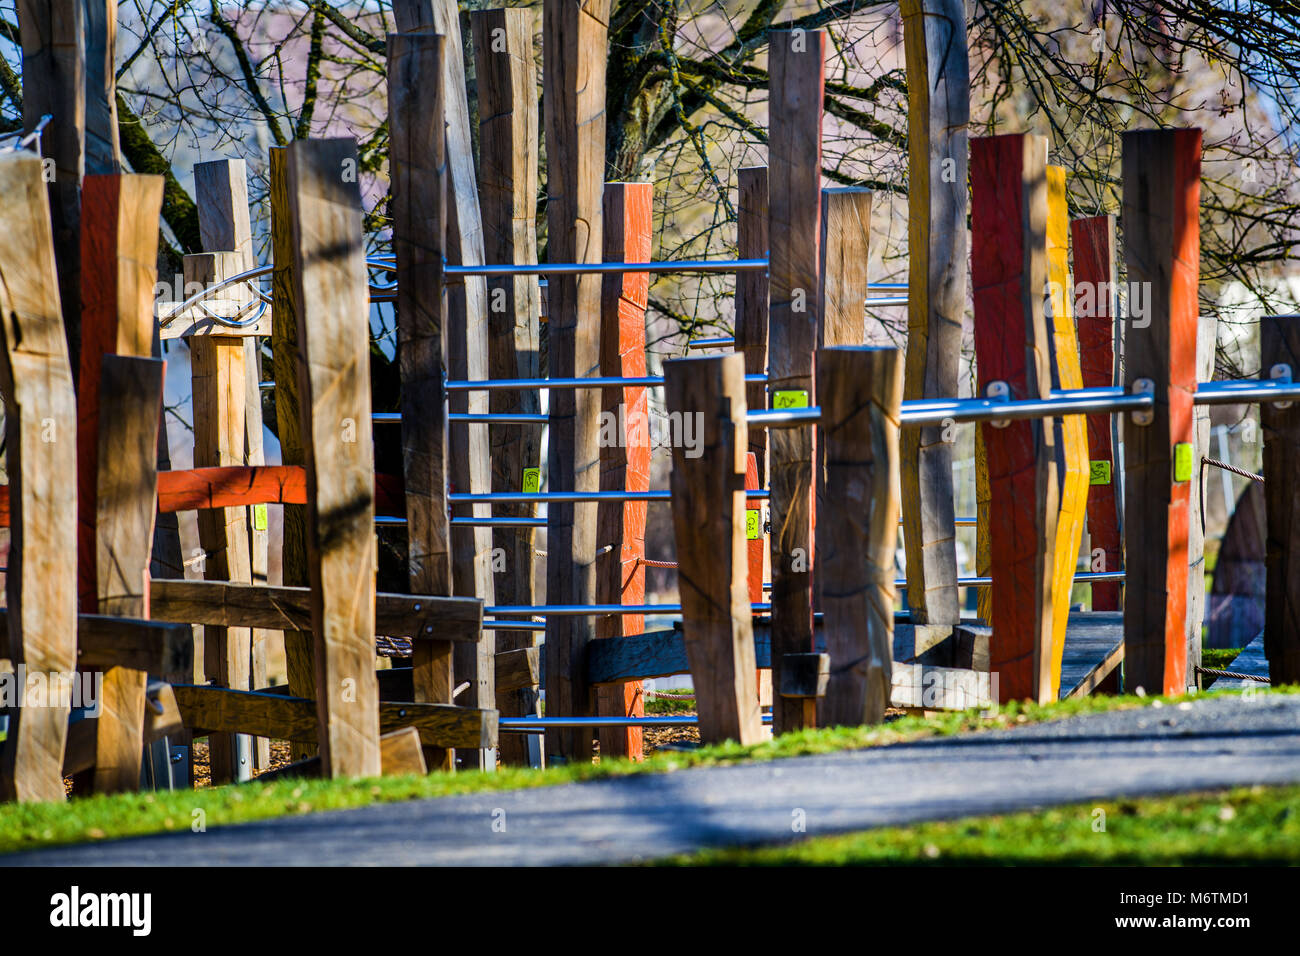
(1162, 186)
(1280, 345)
(751, 297)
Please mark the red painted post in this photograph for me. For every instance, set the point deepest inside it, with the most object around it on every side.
(1094, 297)
(624, 447)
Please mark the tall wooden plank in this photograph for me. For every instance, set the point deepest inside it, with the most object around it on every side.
(1280, 344)
(284, 366)
(624, 447)
(1013, 345)
(751, 297)
(1071, 439)
(40, 430)
(938, 111)
(103, 154)
(1095, 292)
(860, 391)
(330, 291)
(574, 53)
(506, 80)
(1207, 335)
(53, 37)
(1162, 185)
(796, 63)
(845, 246)
(708, 504)
(418, 165)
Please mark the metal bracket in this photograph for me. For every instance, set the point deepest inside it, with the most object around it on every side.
(999, 392)
(1281, 372)
(1144, 416)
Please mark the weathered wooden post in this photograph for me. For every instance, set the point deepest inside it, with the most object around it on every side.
(331, 294)
(507, 187)
(797, 63)
(1280, 345)
(1207, 334)
(751, 297)
(420, 210)
(706, 403)
(1013, 346)
(1098, 321)
(1162, 187)
(938, 82)
(40, 442)
(624, 447)
(845, 246)
(860, 391)
(574, 49)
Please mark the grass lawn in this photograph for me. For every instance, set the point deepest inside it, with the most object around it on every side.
(1249, 826)
(1219, 657)
(24, 826)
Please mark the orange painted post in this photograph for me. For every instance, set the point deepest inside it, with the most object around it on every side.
(1162, 191)
(624, 447)
(1094, 284)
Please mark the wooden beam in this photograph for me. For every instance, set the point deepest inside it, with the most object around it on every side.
(506, 79)
(575, 48)
(707, 396)
(41, 461)
(859, 391)
(624, 447)
(400, 753)
(1280, 345)
(518, 669)
(938, 111)
(794, 215)
(1012, 345)
(330, 292)
(845, 247)
(751, 298)
(1207, 335)
(1095, 297)
(208, 709)
(419, 204)
(1162, 185)
(103, 153)
(216, 603)
(154, 646)
(235, 486)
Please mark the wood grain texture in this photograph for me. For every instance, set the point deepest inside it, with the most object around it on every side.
(1207, 335)
(751, 297)
(624, 446)
(506, 80)
(518, 669)
(708, 505)
(103, 153)
(1071, 439)
(1095, 285)
(860, 391)
(938, 111)
(41, 461)
(796, 62)
(1162, 182)
(1280, 343)
(845, 246)
(574, 53)
(330, 293)
(1013, 345)
(418, 165)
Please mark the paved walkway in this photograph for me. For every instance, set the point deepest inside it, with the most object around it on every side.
(1213, 743)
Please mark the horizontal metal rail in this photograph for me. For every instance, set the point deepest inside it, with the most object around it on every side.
(783, 417)
(1246, 391)
(605, 268)
(1076, 401)
(538, 725)
(595, 610)
(566, 497)
(596, 381)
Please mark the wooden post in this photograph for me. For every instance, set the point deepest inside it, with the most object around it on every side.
(54, 82)
(575, 50)
(859, 390)
(706, 397)
(1013, 345)
(624, 447)
(1162, 185)
(330, 291)
(751, 298)
(41, 447)
(1207, 335)
(221, 197)
(507, 187)
(1095, 289)
(419, 203)
(1280, 345)
(103, 154)
(794, 169)
(938, 82)
(846, 244)
(1071, 439)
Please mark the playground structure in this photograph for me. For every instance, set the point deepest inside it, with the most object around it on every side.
(844, 443)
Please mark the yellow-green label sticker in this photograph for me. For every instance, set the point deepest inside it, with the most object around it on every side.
(753, 523)
(259, 517)
(797, 398)
(1099, 472)
(1183, 461)
(532, 480)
